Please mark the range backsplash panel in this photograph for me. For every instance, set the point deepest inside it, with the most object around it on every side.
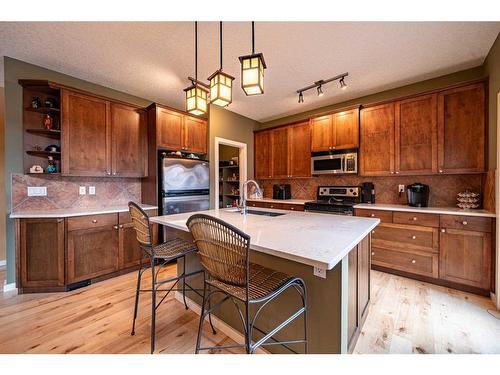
(443, 189)
(63, 192)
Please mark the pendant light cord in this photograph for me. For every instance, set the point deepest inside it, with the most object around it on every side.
(196, 50)
(220, 32)
(253, 37)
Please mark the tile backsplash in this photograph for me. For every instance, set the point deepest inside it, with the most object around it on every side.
(443, 189)
(63, 192)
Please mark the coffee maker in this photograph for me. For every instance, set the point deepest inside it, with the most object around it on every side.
(417, 194)
(367, 192)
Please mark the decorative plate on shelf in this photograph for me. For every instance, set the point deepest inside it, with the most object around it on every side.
(468, 199)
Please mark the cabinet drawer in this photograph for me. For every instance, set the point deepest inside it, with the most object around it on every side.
(292, 207)
(405, 236)
(93, 221)
(416, 263)
(384, 216)
(474, 223)
(413, 218)
(124, 217)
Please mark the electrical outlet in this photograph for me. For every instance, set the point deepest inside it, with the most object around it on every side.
(91, 190)
(401, 189)
(83, 190)
(37, 191)
(320, 272)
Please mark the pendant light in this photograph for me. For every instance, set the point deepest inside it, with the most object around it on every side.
(221, 84)
(252, 70)
(196, 95)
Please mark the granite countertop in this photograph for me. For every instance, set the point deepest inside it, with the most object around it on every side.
(70, 212)
(425, 210)
(313, 239)
(288, 201)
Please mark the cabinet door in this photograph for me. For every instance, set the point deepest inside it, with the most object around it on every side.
(322, 135)
(92, 253)
(461, 130)
(195, 135)
(41, 244)
(364, 267)
(377, 140)
(130, 252)
(300, 152)
(352, 299)
(416, 136)
(169, 129)
(128, 135)
(279, 153)
(262, 153)
(346, 129)
(86, 135)
(465, 257)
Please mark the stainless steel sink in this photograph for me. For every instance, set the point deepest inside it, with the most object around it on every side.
(264, 213)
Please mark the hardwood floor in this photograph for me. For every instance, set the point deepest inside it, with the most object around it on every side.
(406, 316)
(97, 319)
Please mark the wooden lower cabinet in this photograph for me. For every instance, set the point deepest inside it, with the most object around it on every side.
(41, 253)
(465, 257)
(276, 205)
(91, 253)
(358, 292)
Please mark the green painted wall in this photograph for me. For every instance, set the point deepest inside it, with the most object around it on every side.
(2, 177)
(492, 69)
(232, 126)
(15, 70)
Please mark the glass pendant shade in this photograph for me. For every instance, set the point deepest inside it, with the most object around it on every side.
(252, 74)
(221, 88)
(196, 100)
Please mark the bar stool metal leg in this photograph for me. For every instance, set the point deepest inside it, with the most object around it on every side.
(202, 318)
(137, 293)
(153, 304)
(184, 281)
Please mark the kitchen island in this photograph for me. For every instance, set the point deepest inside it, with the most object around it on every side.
(330, 253)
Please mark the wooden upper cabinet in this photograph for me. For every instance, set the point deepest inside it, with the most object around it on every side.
(299, 151)
(280, 153)
(346, 129)
(322, 134)
(86, 135)
(376, 156)
(169, 129)
(336, 131)
(262, 154)
(416, 135)
(128, 134)
(461, 130)
(195, 135)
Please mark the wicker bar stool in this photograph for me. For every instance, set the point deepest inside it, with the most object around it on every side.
(224, 253)
(159, 256)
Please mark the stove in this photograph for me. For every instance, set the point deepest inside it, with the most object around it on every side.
(339, 200)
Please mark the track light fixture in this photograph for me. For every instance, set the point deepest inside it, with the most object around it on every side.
(301, 97)
(318, 85)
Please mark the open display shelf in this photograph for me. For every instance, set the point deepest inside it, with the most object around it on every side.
(229, 186)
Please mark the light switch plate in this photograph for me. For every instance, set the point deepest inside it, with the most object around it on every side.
(37, 191)
(401, 189)
(91, 190)
(320, 272)
(82, 190)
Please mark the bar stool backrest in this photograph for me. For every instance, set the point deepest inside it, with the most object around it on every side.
(223, 249)
(140, 219)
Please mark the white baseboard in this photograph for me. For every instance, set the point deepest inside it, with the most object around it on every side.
(3, 262)
(218, 324)
(9, 287)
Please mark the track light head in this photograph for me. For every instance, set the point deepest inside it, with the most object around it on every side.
(320, 91)
(343, 85)
(301, 97)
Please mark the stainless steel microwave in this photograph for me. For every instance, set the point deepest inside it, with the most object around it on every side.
(338, 163)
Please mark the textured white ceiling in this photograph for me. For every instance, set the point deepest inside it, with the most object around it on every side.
(153, 59)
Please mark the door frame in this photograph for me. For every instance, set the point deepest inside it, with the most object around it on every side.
(242, 162)
(496, 296)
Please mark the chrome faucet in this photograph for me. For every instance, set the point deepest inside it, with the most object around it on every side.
(243, 205)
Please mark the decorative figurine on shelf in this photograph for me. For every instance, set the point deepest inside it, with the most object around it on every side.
(36, 169)
(51, 168)
(51, 103)
(53, 148)
(35, 102)
(37, 147)
(48, 122)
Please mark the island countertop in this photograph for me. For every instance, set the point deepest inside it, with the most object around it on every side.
(315, 239)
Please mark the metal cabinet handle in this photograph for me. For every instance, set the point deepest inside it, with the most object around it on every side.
(464, 222)
(413, 237)
(271, 206)
(373, 231)
(392, 172)
(440, 171)
(397, 172)
(107, 173)
(443, 230)
(94, 221)
(413, 261)
(372, 215)
(120, 226)
(115, 226)
(414, 218)
(291, 208)
(373, 252)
